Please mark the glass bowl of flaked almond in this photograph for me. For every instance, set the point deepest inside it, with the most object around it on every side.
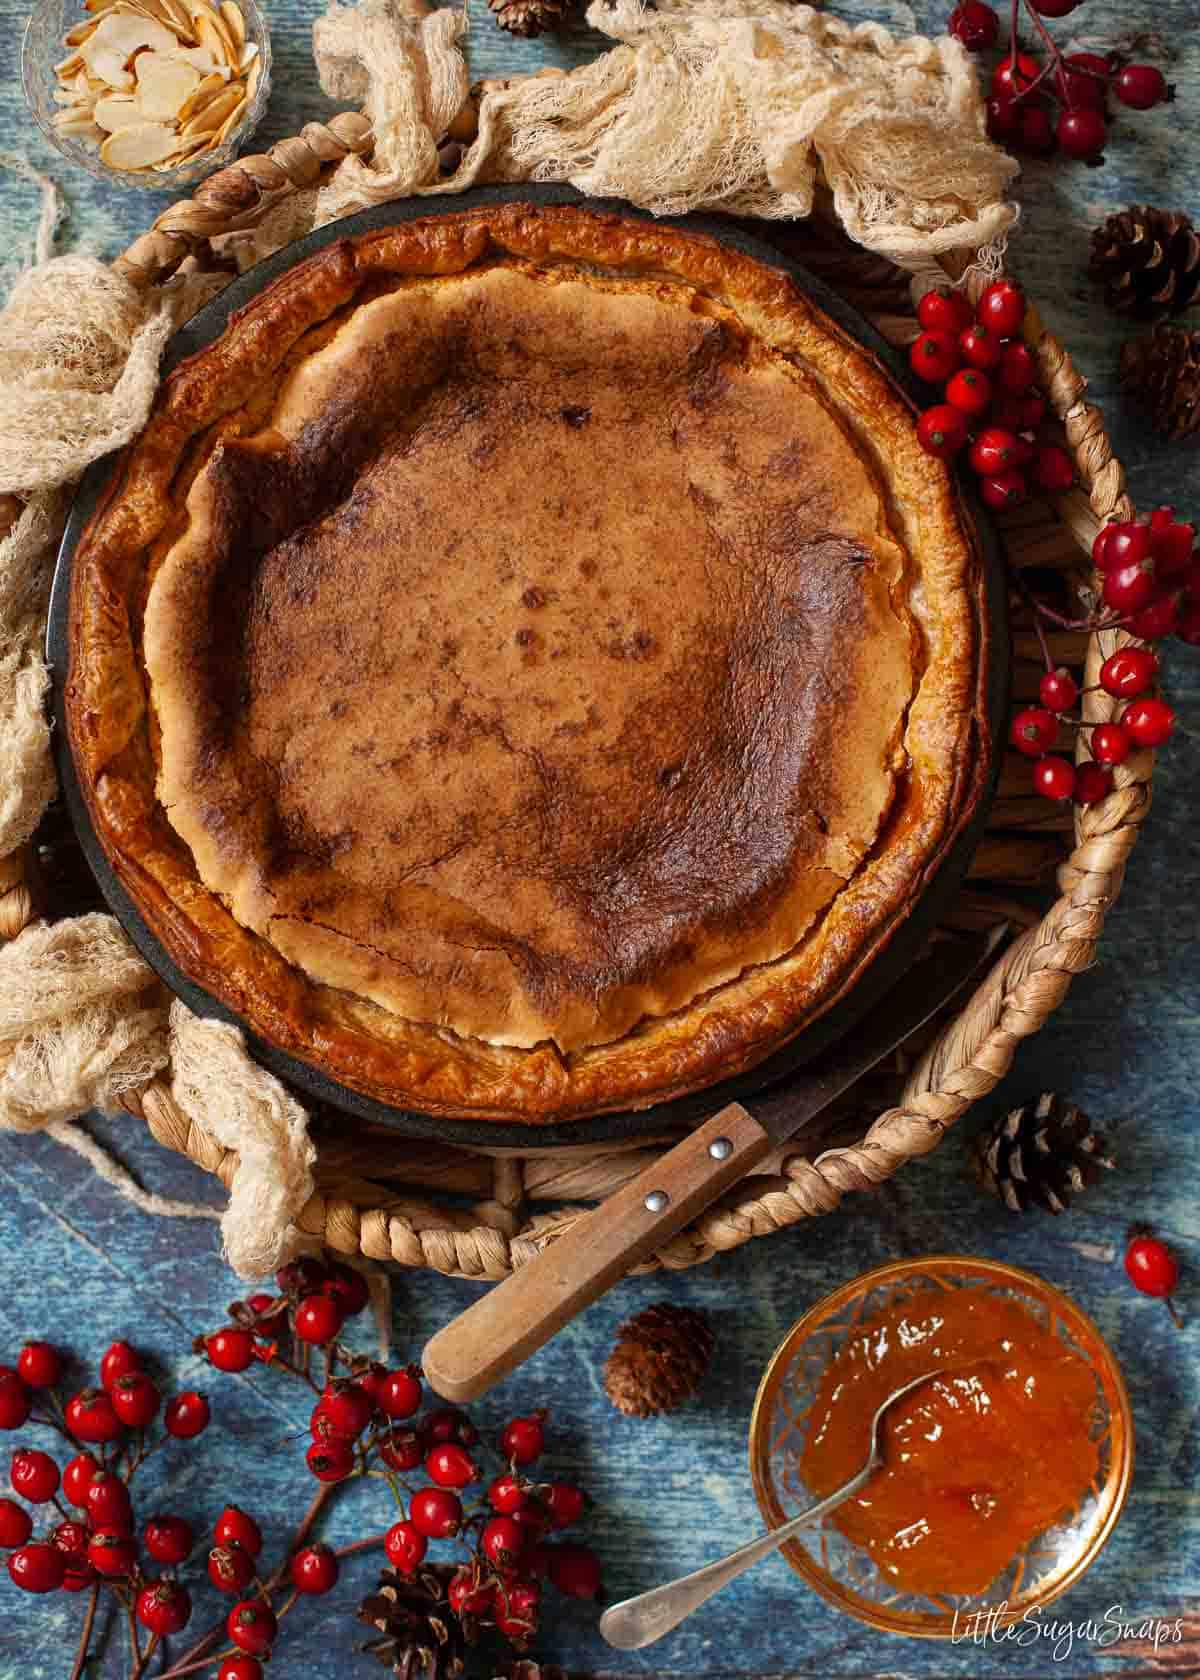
(151, 93)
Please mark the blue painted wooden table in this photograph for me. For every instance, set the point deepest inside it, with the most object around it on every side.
(81, 1267)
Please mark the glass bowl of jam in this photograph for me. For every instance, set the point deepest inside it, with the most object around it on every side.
(1003, 1475)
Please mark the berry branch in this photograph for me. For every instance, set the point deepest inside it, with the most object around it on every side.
(364, 1424)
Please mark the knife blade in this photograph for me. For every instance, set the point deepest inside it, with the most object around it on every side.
(500, 1330)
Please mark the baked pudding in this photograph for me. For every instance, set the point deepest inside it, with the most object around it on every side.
(527, 667)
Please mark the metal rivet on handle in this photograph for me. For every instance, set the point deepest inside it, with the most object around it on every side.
(656, 1201)
(720, 1149)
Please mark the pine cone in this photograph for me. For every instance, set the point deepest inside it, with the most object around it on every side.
(1162, 372)
(1044, 1152)
(530, 17)
(1149, 261)
(658, 1361)
(419, 1634)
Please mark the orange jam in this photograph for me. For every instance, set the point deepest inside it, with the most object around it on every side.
(978, 1461)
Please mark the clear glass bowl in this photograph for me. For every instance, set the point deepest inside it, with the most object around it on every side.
(839, 1570)
(43, 48)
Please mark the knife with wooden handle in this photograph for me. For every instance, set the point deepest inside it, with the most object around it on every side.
(500, 1330)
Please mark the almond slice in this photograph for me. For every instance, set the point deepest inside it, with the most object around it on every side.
(108, 71)
(120, 35)
(249, 54)
(68, 67)
(235, 23)
(209, 89)
(81, 32)
(117, 111)
(97, 6)
(231, 121)
(211, 33)
(163, 85)
(138, 146)
(252, 78)
(200, 59)
(210, 117)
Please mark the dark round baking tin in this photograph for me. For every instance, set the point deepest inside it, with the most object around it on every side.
(882, 973)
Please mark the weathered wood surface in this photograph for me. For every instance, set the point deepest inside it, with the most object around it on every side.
(80, 1267)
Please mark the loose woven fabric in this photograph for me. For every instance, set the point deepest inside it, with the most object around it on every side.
(704, 105)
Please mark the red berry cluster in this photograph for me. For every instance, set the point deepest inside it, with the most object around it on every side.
(315, 1299)
(1059, 103)
(991, 399)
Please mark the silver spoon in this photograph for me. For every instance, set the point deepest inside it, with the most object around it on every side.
(640, 1621)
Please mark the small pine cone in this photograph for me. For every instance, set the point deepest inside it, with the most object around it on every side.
(418, 1635)
(1043, 1152)
(1162, 373)
(530, 17)
(1149, 262)
(659, 1360)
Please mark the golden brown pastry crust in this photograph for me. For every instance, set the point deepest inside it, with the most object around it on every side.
(862, 542)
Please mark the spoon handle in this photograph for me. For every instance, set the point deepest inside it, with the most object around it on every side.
(640, 1621)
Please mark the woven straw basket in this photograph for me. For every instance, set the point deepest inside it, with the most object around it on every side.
(483, 1215)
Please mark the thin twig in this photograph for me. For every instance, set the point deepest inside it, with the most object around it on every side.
(199, 1663)
(366, 1545)
(85, 1637)
(140, 1667)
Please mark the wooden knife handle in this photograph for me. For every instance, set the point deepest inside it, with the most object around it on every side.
(520, 1315)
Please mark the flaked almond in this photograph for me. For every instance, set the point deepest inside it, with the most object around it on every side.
(108, 71)
(139, 146)
(211, 33)
(117, 111)
(209, 89)
(252, 75)
(81, 32)
(200, 59)
(181, 17)
(186, 149)
(210, 117)
(248, 54)
(69, 67)
(231, 121)
(98, 6)
(235, 23)
(163, 85)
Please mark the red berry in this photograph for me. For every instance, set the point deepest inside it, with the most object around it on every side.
(1100, 547)
(186, 1415)
(1054, 778)
(34, 1475)
(16, 1525)
(1002, 118)
(994, 451)
(314, 1570)
(252, 1626)
(72, 1538)
(1082, 133)
(1156, 619)
(1151, 1267)
(401, 1449)
(934, 356)
(468, 1595)
(240, 1668)
(1055, 8)
(970, 390)
(16, 1402)
(449, 1424)
(1001, 307)
(108, 1504)
(1141, 86)
(112, 1554)
(119, 1361)
(38, 1365)
(348, 1288)
(330, 1461)
(230, 1569)
(318, 1319)
(1035, 132)
(168, 1539)
(1171, 544)
(1149, 722)
(1129, 587)
(399, 1394)
(533, 1520)
(405, 1546)
(1058, 690)
(135, 1399)
(230, 1349)
(371, 1380)
(1111, 743)
(1092, 784)
(536, 1559)
(502, 1542)
(975, 25)
(235, 1528)
(981, 347)
(942, 431)
(516, 1609)
(1085, 80)
(1011, 77)
(164, 1607)
(1006, 489)
(1018, 370)
(1129, 672)
(507, 1495)
(1128, 544)
(450, 1465)
(575, 1570)
(524, 1438)
(77, 1479)
(1053, 469)
(436, 1512)
(91, 1417)
(37, 1567)
(1032, 411)
(347, 1409)
(304, 1276)
(945, 309)
(1188, 627)
(271, 1323)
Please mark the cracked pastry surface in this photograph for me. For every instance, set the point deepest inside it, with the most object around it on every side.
(527, 666)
